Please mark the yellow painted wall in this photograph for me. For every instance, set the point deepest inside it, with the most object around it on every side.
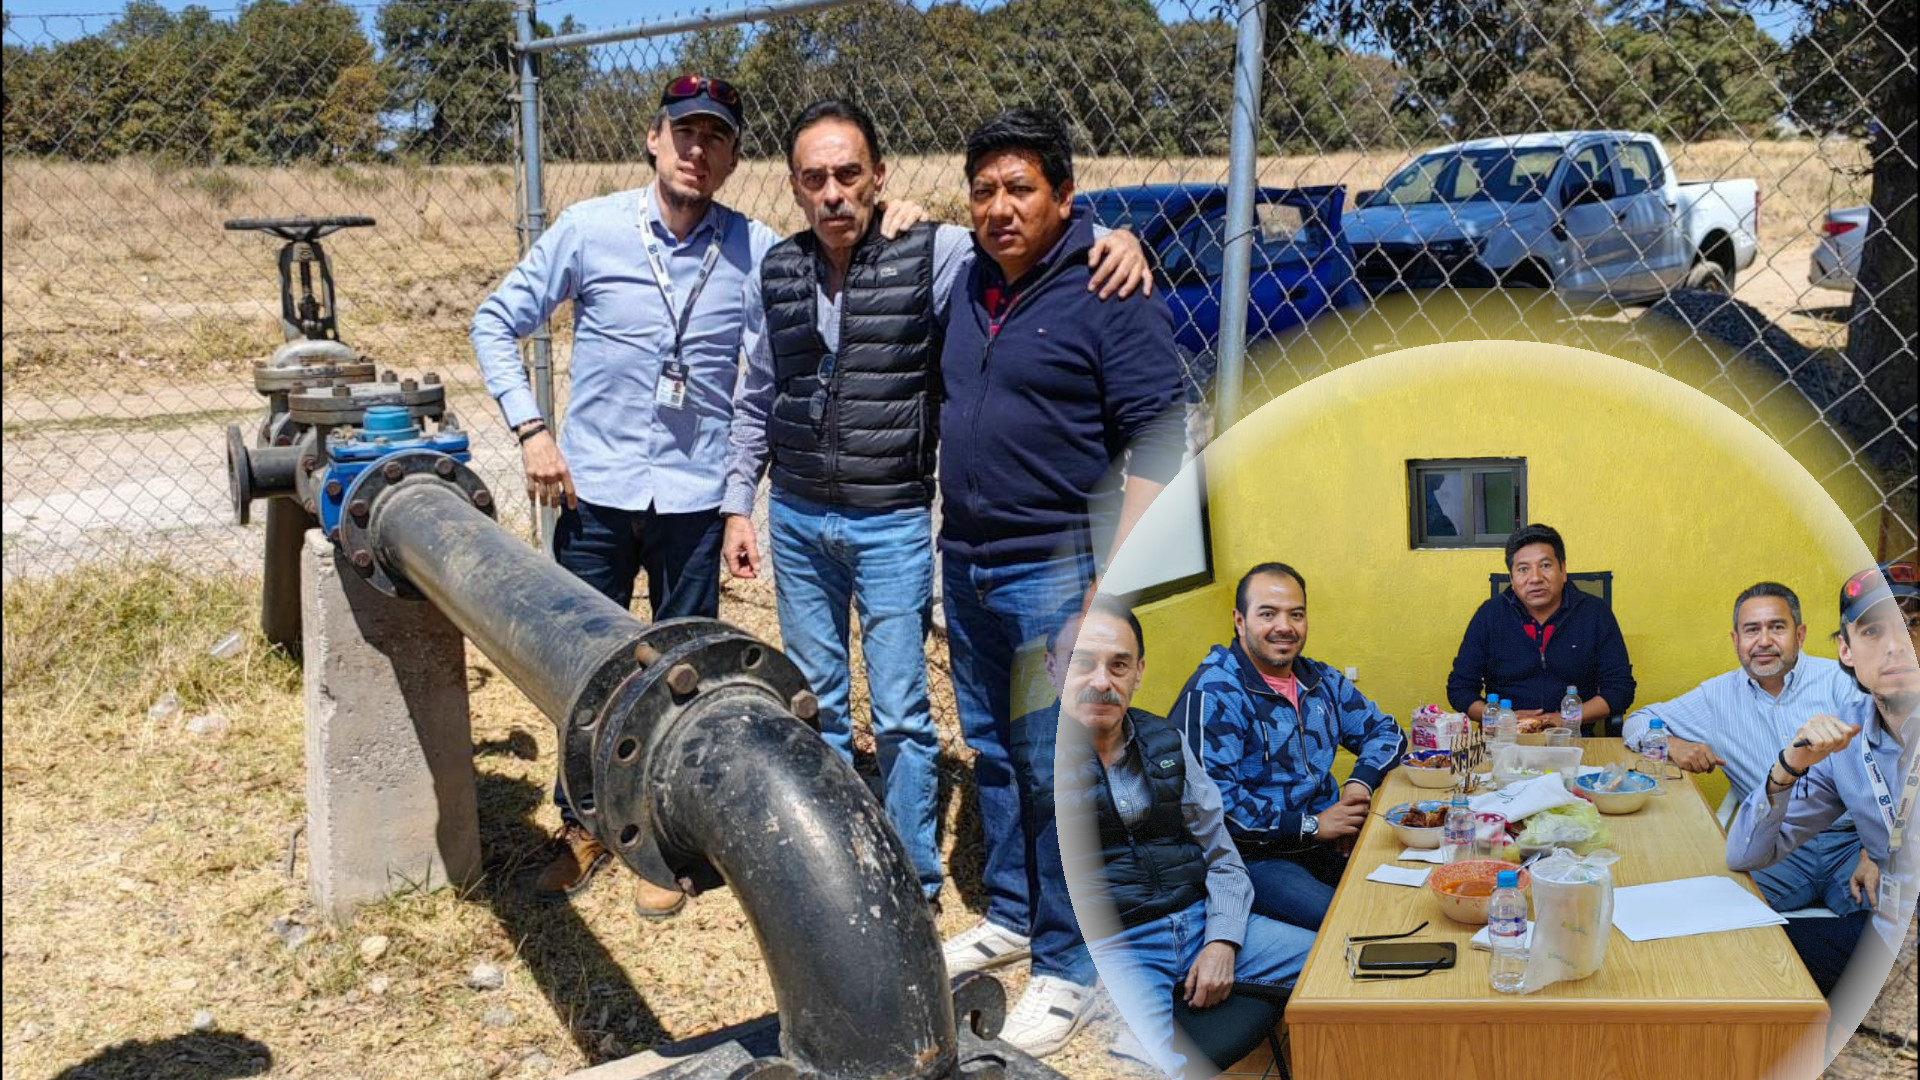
(1683, 500)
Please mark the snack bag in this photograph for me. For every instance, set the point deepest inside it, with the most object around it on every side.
(1572, 916)
(1434, 728)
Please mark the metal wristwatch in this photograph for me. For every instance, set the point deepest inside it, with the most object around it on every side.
(1309, 827)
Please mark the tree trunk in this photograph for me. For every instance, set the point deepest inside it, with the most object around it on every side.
(1886, 297)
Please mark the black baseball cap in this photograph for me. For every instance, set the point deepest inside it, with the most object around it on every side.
(689, 95)
(1888, 581)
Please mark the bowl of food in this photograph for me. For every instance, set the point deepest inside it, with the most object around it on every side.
(1429, 768)
(1631, 793)
(1419, 824)
(1463, 888)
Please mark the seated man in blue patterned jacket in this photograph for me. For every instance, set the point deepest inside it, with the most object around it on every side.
(1266, 721)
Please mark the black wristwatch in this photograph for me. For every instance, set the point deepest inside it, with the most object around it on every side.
(1309, 827)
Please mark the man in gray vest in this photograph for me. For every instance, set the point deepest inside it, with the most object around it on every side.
(841, 399)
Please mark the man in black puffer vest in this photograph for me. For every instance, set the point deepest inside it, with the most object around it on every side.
(841, 399)
(1160, 891)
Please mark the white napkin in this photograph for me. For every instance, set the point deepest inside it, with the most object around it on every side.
(1415, 854)
(1399, 875)
(1526, 798)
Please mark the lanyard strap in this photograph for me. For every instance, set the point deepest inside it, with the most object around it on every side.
(1895, 817)
(665, 282)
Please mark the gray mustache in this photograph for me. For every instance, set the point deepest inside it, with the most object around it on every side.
(844, 213)
(1091, 696)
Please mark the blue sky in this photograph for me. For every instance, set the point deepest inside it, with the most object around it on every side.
(37, 21)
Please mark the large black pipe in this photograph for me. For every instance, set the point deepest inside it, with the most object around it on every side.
(287, 525)
(548, 631)
(825, 883)
(730, 776)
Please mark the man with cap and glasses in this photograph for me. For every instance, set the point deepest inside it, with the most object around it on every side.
(656, 276)
(1861, 762)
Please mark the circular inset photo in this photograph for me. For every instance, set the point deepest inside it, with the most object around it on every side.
(1492, 702)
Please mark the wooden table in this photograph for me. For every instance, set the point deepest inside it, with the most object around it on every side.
(1725, 1006)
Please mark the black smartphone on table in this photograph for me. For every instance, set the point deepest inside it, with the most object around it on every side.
(1395, 956)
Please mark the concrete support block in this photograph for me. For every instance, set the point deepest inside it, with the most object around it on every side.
(390, 789)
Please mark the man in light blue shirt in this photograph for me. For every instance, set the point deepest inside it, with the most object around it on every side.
(1863, 761)
(656, 277)
(1739, 720)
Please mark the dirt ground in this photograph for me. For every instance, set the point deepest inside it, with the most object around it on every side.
(155, 918)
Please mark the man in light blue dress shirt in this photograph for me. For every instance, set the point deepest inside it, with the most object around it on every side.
(1864, 761)
(1739, 720)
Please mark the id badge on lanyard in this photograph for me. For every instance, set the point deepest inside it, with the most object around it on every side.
(670, 392)
(1896, 816)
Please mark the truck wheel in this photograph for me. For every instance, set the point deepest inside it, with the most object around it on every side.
(1710, 277)
(1528, 275)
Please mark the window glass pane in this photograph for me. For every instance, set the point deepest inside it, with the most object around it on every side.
(1497, 496)
(1446, 503)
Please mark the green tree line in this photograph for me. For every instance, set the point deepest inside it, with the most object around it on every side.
(287, 81)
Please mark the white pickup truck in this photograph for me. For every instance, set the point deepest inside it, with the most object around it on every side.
(1590, 213)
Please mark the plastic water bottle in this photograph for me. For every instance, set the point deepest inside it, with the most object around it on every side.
(1507, 932)
(1570, 711)
(1509, 722)
(1456, 836)
(1499, 724)
(1653, 748)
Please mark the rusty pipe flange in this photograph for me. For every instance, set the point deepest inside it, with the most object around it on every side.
(343, 404)
(588, 707)
(400, 467)
(697, 673)
(268, 379)
(239, 476)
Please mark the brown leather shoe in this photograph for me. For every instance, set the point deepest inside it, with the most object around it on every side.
(581, 856)
(650, 901)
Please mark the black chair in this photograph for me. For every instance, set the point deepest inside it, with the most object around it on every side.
(1229, 1031)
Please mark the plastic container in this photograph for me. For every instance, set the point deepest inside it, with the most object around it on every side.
(1507, 933)
(1456, 839)
(1654, 750)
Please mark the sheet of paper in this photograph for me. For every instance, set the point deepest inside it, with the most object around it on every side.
(1485, 944)
(1415, 854)
(1699, 905)
(1399, 875)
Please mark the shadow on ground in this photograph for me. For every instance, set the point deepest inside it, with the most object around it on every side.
(578, 976)
(199, 1055)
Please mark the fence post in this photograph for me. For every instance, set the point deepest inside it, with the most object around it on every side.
(1242, 164)
(533, 222)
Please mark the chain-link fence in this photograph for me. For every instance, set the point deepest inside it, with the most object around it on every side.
(1728, 208)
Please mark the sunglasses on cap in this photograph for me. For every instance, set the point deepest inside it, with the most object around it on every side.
(1900, 573)
(692, 86)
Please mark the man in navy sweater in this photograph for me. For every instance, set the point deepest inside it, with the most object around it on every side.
(1539, 637)
(1046, 386)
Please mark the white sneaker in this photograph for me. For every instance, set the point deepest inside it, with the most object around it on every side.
(984, 947)
(1047, 1015)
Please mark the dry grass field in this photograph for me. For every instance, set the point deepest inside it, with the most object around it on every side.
(156, 925)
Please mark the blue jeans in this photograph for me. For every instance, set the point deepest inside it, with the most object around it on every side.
(607, 548)
(827, 559)
(1058, 947)
(1815, 873)
(1296, 889)
(998, 620)
(1144, 965)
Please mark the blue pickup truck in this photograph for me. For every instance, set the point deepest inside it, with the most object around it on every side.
(1302, 266)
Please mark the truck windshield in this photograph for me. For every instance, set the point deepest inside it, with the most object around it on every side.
(1495, 175)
